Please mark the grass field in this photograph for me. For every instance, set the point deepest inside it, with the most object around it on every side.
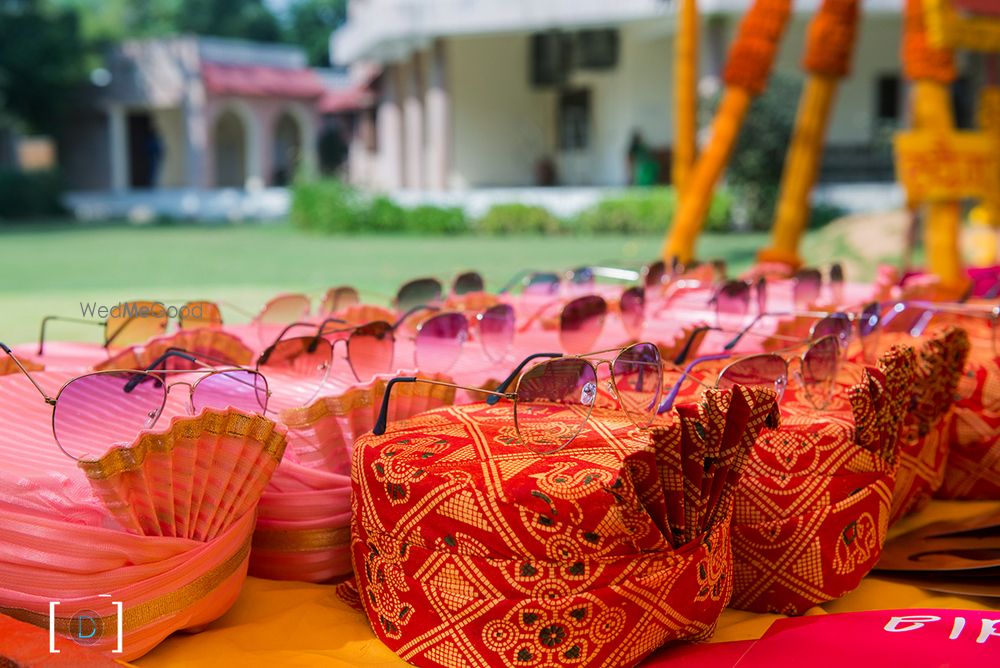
(49, 270)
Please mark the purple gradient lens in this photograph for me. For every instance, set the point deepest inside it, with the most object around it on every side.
(807, 283)
(633, 311)
(837, 325)
(581, 322)
(496, 331)
(238, 388)
(439, 342)
(821, 362)
(638, 377)
(550, 388)
(871, 315)
(766, 370)
(95, 412)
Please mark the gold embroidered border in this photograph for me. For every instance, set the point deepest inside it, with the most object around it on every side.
(218, 341)
(229, 423)
(343, 404)
(300, 540)
(141, 615)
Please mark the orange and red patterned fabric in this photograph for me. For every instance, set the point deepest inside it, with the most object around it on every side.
(470, 550)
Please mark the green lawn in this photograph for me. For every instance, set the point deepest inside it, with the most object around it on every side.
(49, 270)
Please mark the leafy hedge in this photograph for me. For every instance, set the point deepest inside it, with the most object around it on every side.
(25, 195)
(331, 207)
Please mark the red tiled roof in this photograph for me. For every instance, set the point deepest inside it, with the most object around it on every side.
(346, 99)
(260, 81)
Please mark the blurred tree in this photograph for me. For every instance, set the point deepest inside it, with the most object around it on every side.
(242, 19)
(310, 23)
(41, 61)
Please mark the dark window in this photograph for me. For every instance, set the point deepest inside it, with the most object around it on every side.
(550, 58)
(887, 97)
(574, 119)
(963, 99)
(596, 49)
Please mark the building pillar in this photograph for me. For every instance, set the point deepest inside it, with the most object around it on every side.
(390, 130)
(118, 148)
(195, 120)
(438, 109)
(413, 123)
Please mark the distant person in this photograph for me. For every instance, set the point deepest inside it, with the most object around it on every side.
(154, 154)
(643, 167)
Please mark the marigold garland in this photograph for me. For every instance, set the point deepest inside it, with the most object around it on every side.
(831, 37)
(752, 55)
(920, 59)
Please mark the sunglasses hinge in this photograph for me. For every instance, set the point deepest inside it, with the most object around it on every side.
(50, 401)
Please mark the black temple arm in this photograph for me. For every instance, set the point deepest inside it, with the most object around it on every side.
(383, 412)
(502, 387)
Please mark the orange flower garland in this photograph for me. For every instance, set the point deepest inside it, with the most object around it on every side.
(830, 42)
(748, 66)
(752, 54)
(920, 59)
(828, 52)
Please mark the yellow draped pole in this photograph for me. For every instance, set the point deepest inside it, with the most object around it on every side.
(685, 94)
(748, 67)
(829, 47)
(932, 70)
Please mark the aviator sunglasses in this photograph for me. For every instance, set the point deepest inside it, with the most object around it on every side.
(95, 411)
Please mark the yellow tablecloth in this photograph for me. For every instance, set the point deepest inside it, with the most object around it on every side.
(297, 624)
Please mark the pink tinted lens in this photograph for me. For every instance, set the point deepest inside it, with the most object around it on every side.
(439, 342)
(821, 361)
(633, 311)
(806, 290)
(638, 378)
(733, 298)
(370, 350)
(581, 322)
(240, 389)
(550, 388)
(757, 370)
(101, 410)
(496, 331)
(303, 362)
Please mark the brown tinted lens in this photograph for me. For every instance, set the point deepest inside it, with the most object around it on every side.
(638, 378)
(581, 322)
(370, 350)
(838, 325)
(420, 291)
(550, 397)
(130, 323)
(195, 315)
(653, 273)
(468, 282)
(297, 367)
(337, 299)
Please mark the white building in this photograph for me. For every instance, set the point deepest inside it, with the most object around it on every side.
(479, 93)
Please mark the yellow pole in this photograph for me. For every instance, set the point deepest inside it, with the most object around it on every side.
(685, 94)
(800, 171)
(932, 112)
(748, 67)
(693, 206)
(988, 113)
